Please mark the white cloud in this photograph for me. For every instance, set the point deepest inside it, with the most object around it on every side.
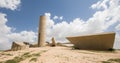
(4, 30)
(23, 36)
(118, 27)
(117, 42)
(61, 17)
(7, 36)
(55, 17)
(102, 4)
(110, 15)
(47, 14)
(10, 4)
(101, 21)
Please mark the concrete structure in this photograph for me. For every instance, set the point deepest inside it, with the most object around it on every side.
(19, 46)
(53, 42)
(42, 31)
(103, 41)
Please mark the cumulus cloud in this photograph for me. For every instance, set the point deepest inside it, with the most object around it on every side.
(10, 4)
(101, 21)
(4, 30)
(23, 36)
(7, 36)
(109, 15)
(57, 17)
(118, 27)
(61, 17)
(117, 42)
(102, 4)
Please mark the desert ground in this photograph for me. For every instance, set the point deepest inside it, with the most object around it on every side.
(59, 54)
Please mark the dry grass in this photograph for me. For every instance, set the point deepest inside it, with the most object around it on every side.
(6, 54)
(24, 56)
(117, 60)
(17, 59)
(60, 55)
(33, 59)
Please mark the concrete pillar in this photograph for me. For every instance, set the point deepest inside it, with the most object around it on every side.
(42, 31)
(53, 42)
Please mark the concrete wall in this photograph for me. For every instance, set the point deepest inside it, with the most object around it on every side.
(101, 41)
(42, 31)
(18, 46)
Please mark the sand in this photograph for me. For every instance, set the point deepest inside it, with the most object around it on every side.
(61, 55)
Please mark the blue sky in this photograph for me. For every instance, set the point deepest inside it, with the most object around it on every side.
(19, 19)
(27, 16)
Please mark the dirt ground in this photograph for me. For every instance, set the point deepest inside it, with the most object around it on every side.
(59, 55)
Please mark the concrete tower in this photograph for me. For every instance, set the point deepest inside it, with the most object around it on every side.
(42, 31)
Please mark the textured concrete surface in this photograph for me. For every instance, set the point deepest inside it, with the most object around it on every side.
(19, 46)
(101, 41)
(42, 31)
(53, 42)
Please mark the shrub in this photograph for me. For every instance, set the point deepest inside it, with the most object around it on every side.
(11, 61)
(33, 59)
(111, 49)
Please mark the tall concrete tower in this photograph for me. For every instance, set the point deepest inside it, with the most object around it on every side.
(42, 31)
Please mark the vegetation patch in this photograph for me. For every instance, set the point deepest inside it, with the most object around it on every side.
(105, 62)
(74, 47)
(36, 54)
(111, 49)
(33, 59)
(11, 61)
(24, 56)
(9, 54)
(17, 59)
(103, 51)
(117, 60)
(6, 54)
(27, 53)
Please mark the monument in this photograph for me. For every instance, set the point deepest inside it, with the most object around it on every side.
(53, 42)
(42, 31)
(103, 41)
(19, 46)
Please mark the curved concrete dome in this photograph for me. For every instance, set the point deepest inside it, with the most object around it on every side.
(101, 41)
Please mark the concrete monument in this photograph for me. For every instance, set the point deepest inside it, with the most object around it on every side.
(53, 42)
(19, 46)
(103, 41)
(42, 31)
